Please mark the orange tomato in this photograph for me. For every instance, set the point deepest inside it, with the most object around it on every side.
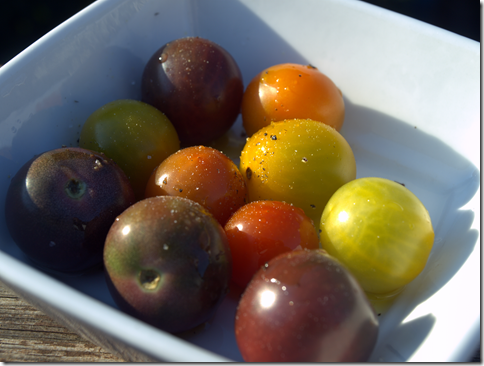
(204, 175)
(289, 91)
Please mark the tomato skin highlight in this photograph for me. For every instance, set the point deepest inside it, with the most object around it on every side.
(380, 231)
(288, 91)
(304, 306)
(261, 230)
(204, 175)
(300, 161)
(136, 135)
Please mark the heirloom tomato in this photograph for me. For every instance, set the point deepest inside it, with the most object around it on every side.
(302, 162)
(289, 91)
(380, 231)
(304, 306)
(198, 84)
(204, 175)
(167, 263)
(136, 135)
(261, 230)
(61, 204)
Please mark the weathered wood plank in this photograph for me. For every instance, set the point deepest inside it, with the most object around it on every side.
(28, 335)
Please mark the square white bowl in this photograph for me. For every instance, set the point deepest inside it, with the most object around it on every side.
(412, 94)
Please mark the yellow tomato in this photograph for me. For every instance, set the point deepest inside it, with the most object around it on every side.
(380, 231)
(302, 162)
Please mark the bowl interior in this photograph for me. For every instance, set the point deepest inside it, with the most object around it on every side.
(412, 99)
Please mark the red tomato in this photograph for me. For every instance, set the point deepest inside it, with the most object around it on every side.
(204, 175)
(289, 91)
(261, 230)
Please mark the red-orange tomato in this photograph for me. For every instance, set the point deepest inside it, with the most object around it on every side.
(261, 230)
(289, 91)
(204, 175)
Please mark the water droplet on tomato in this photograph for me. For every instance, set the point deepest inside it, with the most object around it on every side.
(163, 57)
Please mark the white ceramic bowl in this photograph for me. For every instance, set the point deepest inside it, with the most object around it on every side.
(412, 94)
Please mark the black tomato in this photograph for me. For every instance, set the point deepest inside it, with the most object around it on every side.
(61, 204)
(198, 85)
(304, 306)
(168, 263)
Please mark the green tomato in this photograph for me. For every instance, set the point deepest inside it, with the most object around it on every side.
(136, 135)
(299, 161)
(380, 231)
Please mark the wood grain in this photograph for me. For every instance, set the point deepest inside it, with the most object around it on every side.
(28, 335)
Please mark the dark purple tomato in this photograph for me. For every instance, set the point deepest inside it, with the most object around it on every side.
(197, 85)
(168, 263)
(304, 306)
(61, 204)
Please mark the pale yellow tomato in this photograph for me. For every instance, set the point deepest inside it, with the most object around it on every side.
(380, 230)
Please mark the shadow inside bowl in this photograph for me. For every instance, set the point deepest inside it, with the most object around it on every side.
(412, 334)
(444, 181)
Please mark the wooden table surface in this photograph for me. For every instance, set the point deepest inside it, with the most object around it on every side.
(28, 335)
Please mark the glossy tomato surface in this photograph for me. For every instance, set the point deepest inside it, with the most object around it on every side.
(302, 162)
(61, 204)
(288, 91)
(261, 230)
(197, 84)
(380, 231)
(204, 175)
(137, 136)
(167, 263)
(304, 306)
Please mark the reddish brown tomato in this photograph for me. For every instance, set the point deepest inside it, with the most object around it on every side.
(167, 263)
(289, 91)
(204, 175)
(304, 306)
(261, 230)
